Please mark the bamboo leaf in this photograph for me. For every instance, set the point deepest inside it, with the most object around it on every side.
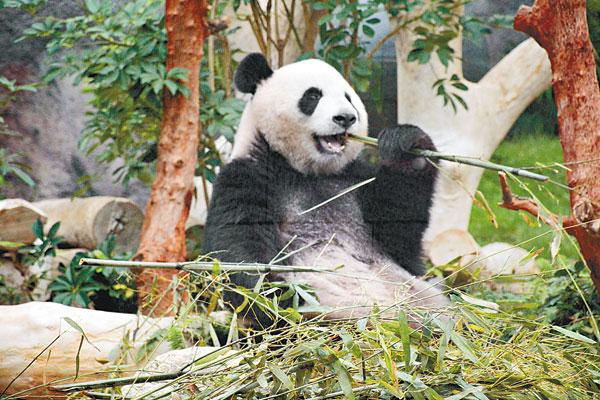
(405, 337)
(464, 345)
(281, 376)
(574, 335)
(76, 326)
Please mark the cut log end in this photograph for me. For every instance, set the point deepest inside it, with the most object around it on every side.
(16, 219)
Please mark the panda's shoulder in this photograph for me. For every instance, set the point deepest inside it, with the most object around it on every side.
(239, 170)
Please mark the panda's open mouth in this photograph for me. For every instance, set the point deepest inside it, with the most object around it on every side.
(331, 144)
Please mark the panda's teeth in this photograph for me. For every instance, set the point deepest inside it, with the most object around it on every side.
(333, 144)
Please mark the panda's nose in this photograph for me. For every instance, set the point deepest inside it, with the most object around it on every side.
(344, 120)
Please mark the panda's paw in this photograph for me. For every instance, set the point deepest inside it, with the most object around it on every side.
(396, 144)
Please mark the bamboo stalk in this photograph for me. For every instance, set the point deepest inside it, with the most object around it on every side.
(103, 383)
(205, 266)
(459, 159)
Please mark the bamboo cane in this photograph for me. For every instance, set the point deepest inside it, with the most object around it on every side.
(459, 159)
(206, 266)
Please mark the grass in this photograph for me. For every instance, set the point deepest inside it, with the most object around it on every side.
(515, 227)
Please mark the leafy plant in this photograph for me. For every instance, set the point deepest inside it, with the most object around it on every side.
(571, 296)
(9, 162)
(120, 57)
(75, 285)
(341, 31)
(44, 245)
(108, 288)
(11, 166)
(31, 261)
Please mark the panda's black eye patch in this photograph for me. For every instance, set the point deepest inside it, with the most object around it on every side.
(309, 101)
(348, 98)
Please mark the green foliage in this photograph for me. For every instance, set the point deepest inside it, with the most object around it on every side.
(30, 6)
(448, 94)
(9, 162)
(75, 285)
(340, 32)
(83, 285)
(569, 293)
(44, 245)
(25, 256)
(11, 166)
(118, 52)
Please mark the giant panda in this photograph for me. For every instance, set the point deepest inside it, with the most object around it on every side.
(291, 153)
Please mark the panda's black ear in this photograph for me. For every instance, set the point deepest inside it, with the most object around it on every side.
(252, 70)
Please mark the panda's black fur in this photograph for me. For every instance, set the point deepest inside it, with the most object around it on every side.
(256, 200)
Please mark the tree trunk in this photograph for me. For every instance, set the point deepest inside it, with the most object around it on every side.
(495, 102)
(163, 231)
(560, 27)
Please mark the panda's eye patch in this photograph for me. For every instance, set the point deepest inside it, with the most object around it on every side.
(309, 101)
(348, 98)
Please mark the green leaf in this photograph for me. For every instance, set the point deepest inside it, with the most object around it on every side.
(405, 337)
(53, 230)
(76, 326)
(38, 229)
(307, 297)
(281, 376)
(22, 175)
(368, 31)
(93, 6)
(343, 379)
(464, 345)
(574, 335)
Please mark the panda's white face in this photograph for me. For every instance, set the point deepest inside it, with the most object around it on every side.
(305, 111)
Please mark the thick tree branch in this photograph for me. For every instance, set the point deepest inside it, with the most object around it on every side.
(512, 202)
(518, 79)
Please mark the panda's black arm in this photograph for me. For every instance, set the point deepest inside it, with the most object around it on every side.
(396, 205)
(242, 220)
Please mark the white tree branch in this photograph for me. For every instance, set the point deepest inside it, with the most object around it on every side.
(517, 80)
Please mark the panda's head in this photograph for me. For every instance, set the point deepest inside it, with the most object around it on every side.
(304, 111)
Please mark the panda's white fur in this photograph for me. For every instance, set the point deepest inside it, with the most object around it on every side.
(274, 112)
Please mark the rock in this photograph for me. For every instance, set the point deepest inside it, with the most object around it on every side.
(502, 266)
(451, 245)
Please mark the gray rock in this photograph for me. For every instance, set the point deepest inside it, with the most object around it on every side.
(49, 121)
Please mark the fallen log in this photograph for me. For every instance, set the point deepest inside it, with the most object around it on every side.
(39, 345)
(86, 222)
(16, 218)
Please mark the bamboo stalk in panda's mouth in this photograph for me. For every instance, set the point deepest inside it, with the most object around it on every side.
(475, 162)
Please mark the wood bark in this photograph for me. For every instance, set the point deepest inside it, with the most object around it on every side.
(16, 219)
(163, 232)
(40, 329)
(86, 222)
(495, 103)
(560, 27)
